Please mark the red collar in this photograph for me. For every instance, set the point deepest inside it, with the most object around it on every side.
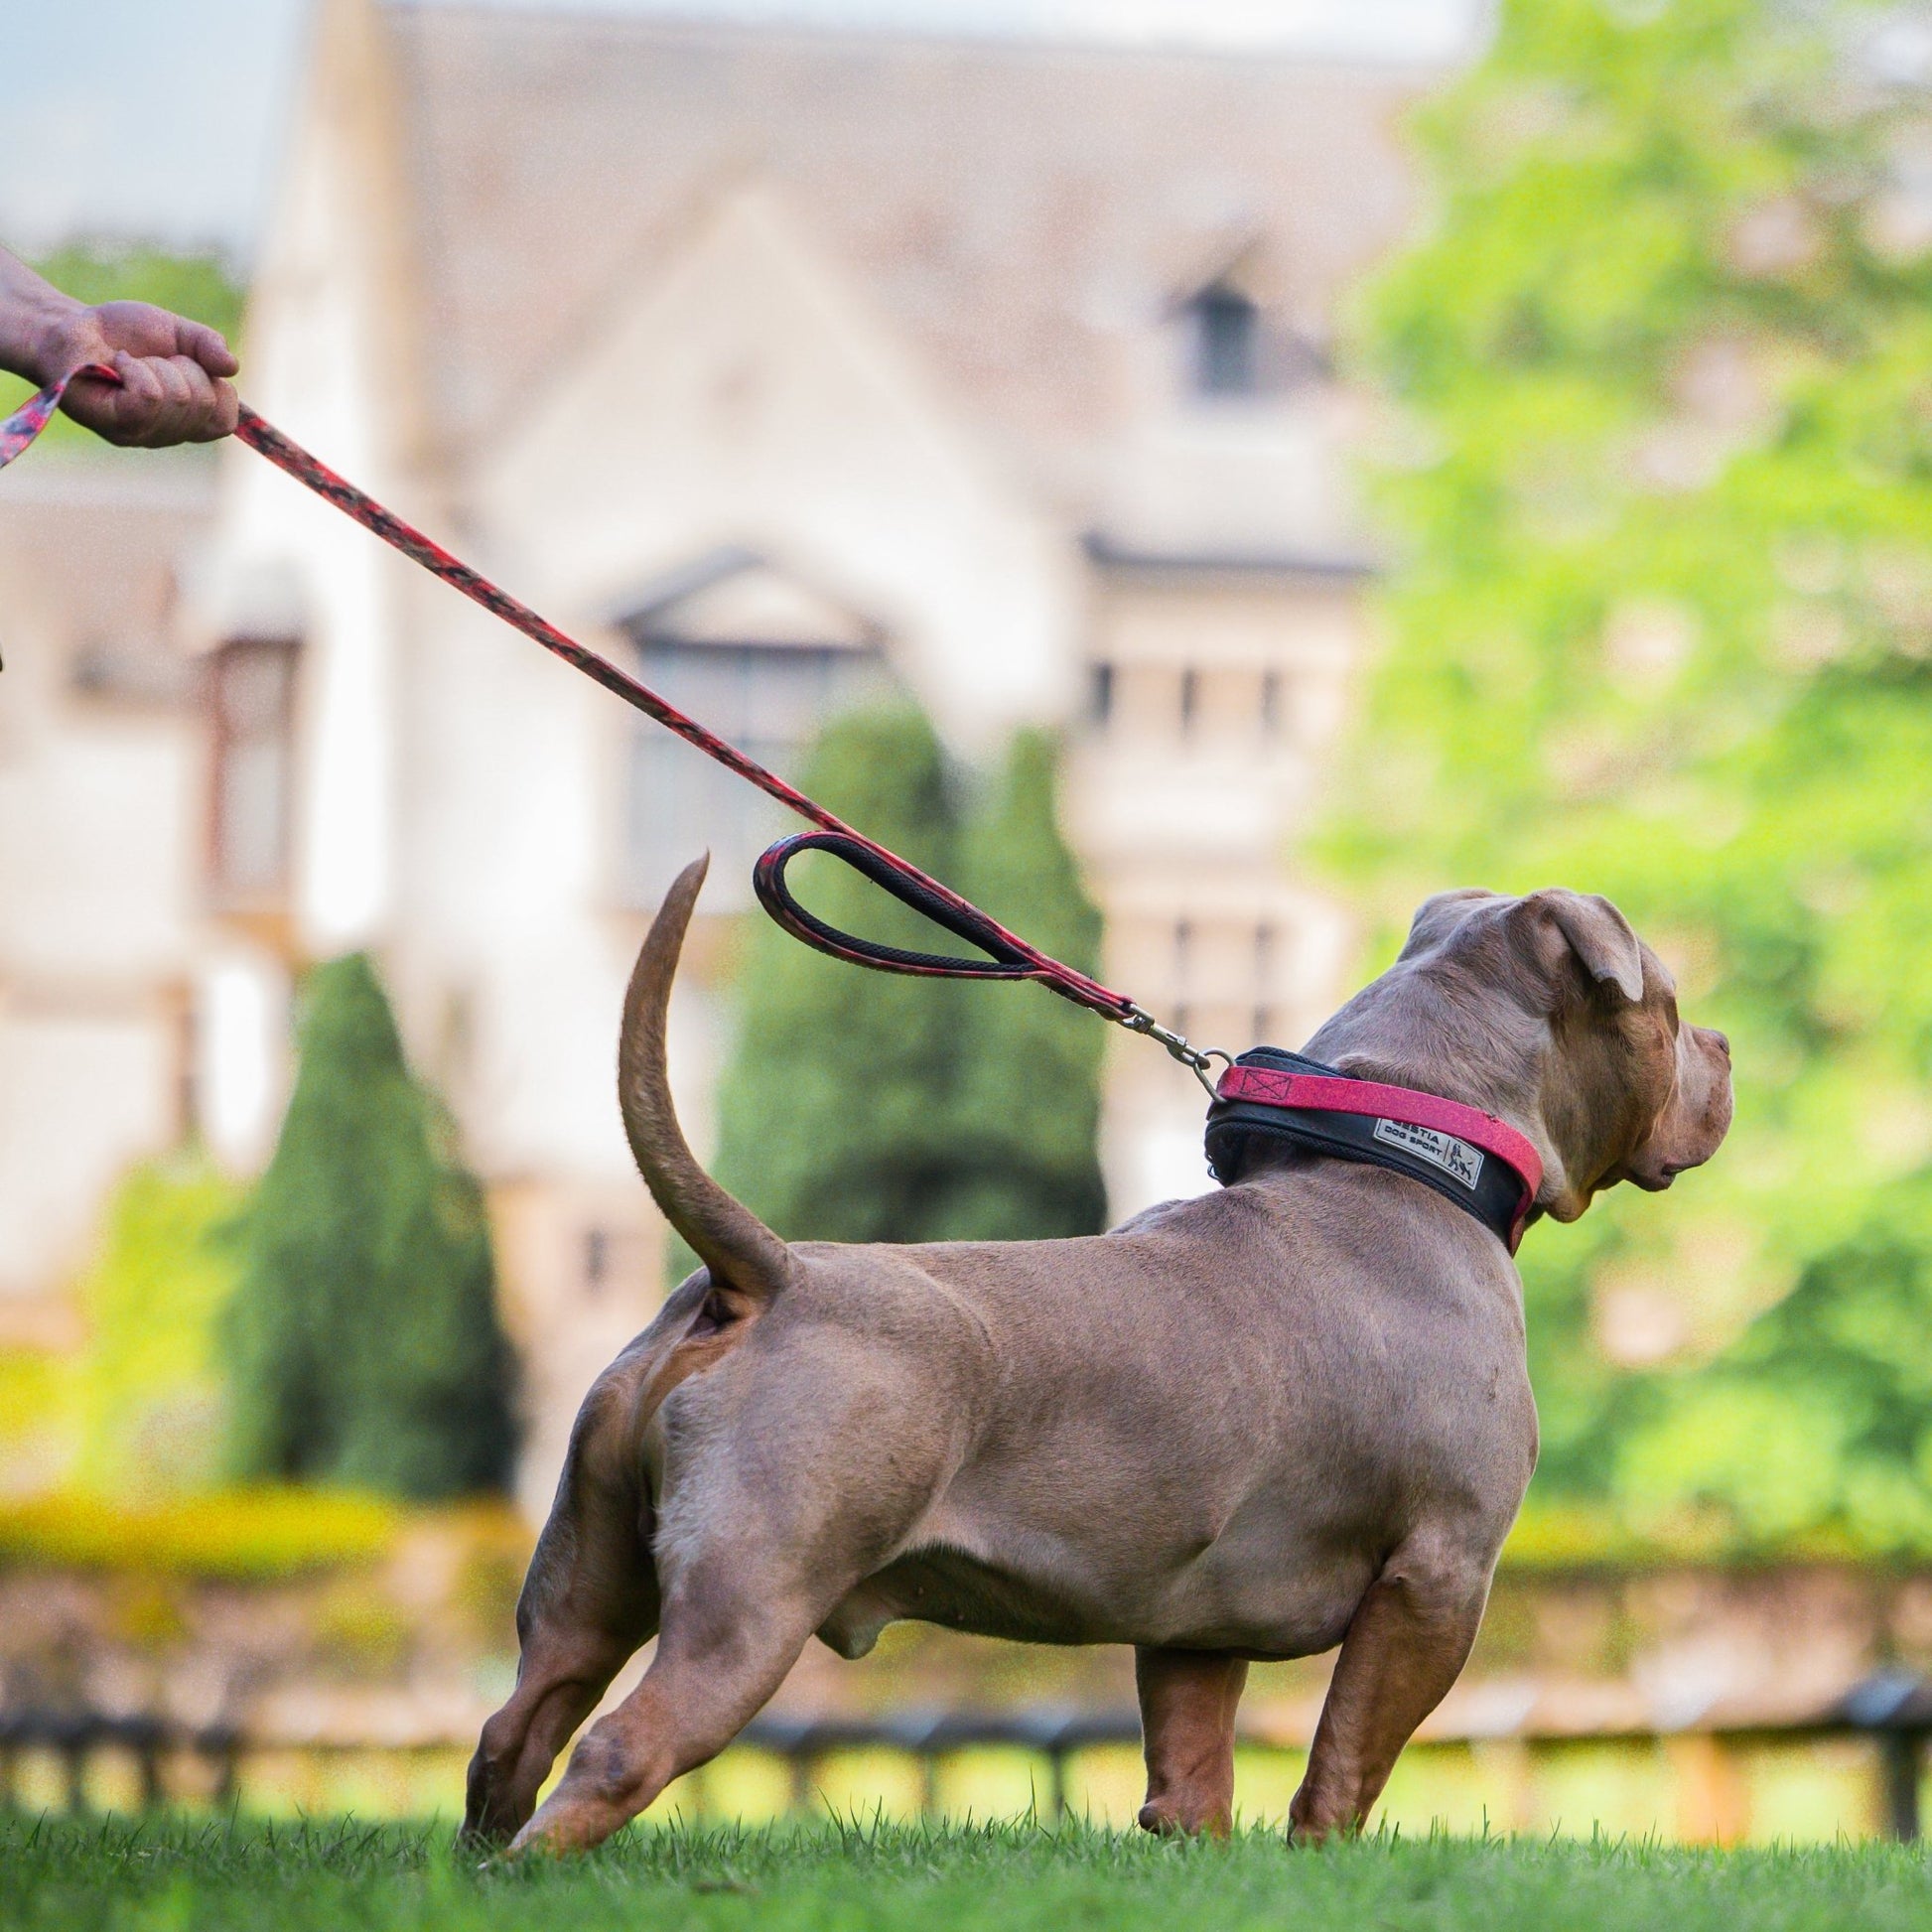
(1438, 1150)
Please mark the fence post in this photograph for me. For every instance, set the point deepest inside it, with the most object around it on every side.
(1056, 1781)
(224, 1747)
(1899, 1753)
(801, 1761)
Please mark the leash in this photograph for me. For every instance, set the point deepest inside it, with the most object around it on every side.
(1478, 1162)
(1007, 956)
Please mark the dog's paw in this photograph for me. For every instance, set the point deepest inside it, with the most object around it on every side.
(1168, 1819)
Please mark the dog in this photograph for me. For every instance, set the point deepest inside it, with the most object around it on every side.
(1292, 1414)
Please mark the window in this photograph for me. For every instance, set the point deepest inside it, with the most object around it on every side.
(1100, 695)
(1235, 349)
(1226, 342)
(1264, 977)
(188, 1058)
(768, 700)
(252, 700)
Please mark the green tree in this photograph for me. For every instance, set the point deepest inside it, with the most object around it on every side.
(138, 1410)
(1660, 462)
(1026, 1100)
(148, 1385)
(864, 1106)
(831, 1121)
(362, 1345)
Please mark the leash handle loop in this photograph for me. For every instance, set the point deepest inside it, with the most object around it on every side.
(1005, 961)
(34, 415)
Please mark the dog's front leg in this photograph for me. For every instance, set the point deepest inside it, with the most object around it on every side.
(1187, 1704)
(1406, 1645)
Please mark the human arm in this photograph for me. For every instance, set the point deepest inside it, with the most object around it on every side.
(174, 373)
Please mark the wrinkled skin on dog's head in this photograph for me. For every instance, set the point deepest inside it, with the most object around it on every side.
(1549, 1012)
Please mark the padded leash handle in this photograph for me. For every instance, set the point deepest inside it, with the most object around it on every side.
(34, 415)
(1007, 960)
(1009, 957)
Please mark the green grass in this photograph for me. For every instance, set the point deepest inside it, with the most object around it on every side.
(208, 1875)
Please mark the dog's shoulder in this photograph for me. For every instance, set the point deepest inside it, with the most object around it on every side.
(1161, 1214)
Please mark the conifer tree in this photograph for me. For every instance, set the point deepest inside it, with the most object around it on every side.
(833, 1117)
(866, 1107)
(362, 1345)
(1027, 1095)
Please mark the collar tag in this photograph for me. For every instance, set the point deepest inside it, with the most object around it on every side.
(1456, 1158)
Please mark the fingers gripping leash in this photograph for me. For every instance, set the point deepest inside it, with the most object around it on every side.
(1006, 956)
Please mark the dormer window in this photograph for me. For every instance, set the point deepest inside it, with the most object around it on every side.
(765, 660)
(1237, 344)
(1226, 343)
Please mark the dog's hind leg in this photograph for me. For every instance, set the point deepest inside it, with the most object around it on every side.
(1406, 1645)
(1187, 1705)
(727, 1638)
(775, 1506)
(589, 1602)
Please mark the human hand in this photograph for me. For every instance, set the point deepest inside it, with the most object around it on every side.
(174, 373)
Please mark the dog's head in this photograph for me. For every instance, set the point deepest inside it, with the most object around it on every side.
(1549, 1012)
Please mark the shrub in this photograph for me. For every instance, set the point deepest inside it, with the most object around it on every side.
(832, 1122)
(1026, 1100)
(247, 1535)
(148, 1388)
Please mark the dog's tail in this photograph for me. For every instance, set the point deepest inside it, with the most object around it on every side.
(739, 1249)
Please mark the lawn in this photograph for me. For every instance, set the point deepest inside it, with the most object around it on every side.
(207, 1875)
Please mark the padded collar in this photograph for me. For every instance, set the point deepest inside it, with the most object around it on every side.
(1481, 1164)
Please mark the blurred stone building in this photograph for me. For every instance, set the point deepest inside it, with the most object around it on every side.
(103, 951)
(786, 366)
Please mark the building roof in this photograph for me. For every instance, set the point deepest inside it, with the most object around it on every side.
(1023, 212)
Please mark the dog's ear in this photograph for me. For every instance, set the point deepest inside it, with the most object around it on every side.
(1590, 927)
(1439, 915)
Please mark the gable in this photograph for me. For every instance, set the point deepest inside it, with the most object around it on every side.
(735, 595)
(746, 397)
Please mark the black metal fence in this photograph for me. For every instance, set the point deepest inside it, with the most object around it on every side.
(1892, 1711)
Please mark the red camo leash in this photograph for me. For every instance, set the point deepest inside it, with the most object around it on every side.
(1009, 957)
(1466, 1130)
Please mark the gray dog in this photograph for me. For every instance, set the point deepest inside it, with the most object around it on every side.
(1290, 1414)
